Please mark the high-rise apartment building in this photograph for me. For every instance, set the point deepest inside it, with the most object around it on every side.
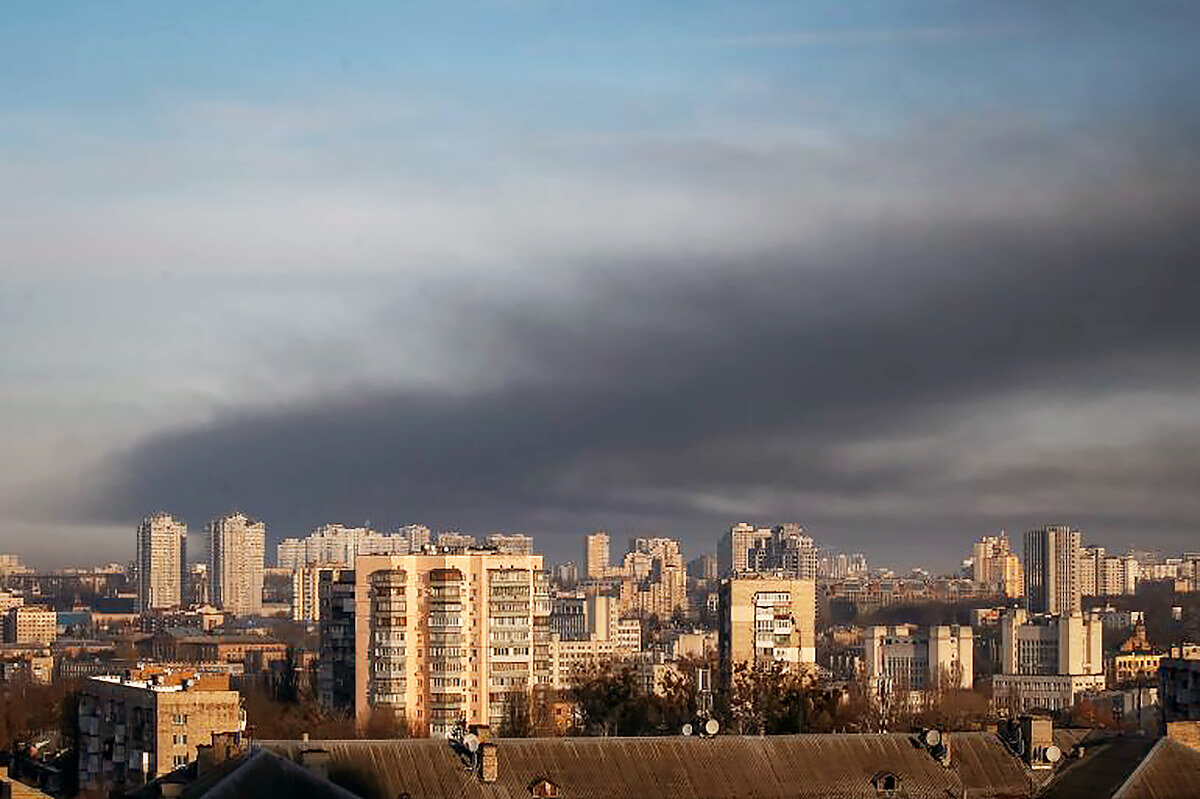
(236, 550)
(653, 578)
(1052, 570)
(436, 638)
(783, 549)
(996, 567)
(765, 619)
(596, 555)
(1101, 574)
(161, 562)
(733, 551)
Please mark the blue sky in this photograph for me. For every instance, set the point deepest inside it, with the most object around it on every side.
(219, 210)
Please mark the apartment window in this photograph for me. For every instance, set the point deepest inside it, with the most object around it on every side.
(180, 760)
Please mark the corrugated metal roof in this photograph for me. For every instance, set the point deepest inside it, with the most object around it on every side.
(1170, 771)
(773, 767)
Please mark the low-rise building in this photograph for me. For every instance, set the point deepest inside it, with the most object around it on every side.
(26, 624)
(140, 725)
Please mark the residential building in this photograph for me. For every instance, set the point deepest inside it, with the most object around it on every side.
(510, 543)
(904, 658)
(1052, 570)
(766, 619)
(996, 567)
(135, 728)
(703, 568)
(438, 637)
(337, 615)
(653, 579)
(733, 551)
(236, 549)
(1047, 661)
(339, 545)
(11, 564)
(1179, 684)
(161, 562)
(568, 617)
(596, 555)
(306, 591)
(27, 624)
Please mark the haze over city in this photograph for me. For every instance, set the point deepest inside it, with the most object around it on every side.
(904, 275)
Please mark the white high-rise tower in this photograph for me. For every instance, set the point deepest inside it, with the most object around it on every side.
(236, 548)
(161, 562)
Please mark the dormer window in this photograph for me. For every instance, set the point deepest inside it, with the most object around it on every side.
(543, 788)
(886, 784)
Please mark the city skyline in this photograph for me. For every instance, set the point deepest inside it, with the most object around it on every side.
(906, 276)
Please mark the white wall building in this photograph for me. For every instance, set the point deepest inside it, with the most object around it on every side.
(236, 550)
(1046, 662)
(161, 562)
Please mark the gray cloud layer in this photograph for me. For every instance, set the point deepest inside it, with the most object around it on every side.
(1010, 339)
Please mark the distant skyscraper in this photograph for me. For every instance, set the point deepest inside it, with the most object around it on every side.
(236, 548)
(1052, 570)
(596, 555)
(161, 562)
(996, 567)
(735, 549)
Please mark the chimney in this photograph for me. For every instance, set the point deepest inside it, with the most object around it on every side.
(1185, 732)
(1037, 733)
(489, 763)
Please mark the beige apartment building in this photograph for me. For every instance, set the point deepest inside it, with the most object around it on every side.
(143, 724)
(161, 562)
(27, 624)
(437, 637)
(597, 555)
(237, 547)
(765, 619)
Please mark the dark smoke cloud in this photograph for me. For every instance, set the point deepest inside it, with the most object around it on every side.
(681, 397)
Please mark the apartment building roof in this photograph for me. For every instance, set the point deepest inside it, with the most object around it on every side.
(772, 767)
(1129, 767)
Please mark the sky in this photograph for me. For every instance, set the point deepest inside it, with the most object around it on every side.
(905, 273)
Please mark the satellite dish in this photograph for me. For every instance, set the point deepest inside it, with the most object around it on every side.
(1052, 754)
(932, 737)
(712, 726)
(471, 741)
(687, 729)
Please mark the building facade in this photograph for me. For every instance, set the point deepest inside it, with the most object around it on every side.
(236, 550)
(1052, 570)
(764, 620)
(136, 728)
(437, 637)
(904, 658)
(597, 555)
(1046, 661)
(161, 562)
(996, 567)
(28, 624)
